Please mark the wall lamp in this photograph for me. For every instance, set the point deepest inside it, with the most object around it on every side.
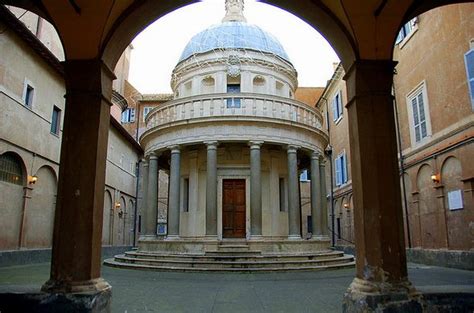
(117, 205)
(32, 179)
(346, 205)
(435, 178)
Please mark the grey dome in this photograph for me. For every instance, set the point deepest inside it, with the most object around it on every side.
(233, 35)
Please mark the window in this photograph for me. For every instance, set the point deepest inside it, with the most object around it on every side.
(340, 166)
(283, 202)
(146, 110)
(10, 170)
(418, 107)
(231, 101)
(128, 116)
(55, 120)
(406, 30)
(337, 106)
(186, 195)
(469, 60)
(304, 176)
(29, 94)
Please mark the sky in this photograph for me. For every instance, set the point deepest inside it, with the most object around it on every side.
(158, 48)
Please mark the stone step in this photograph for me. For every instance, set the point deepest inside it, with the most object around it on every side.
(113, 263)
(236, 257)
(249, 263)
(233, 248)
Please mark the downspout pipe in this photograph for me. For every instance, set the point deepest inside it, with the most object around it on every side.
(402, 165)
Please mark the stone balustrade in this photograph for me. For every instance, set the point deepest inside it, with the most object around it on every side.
(245, 106)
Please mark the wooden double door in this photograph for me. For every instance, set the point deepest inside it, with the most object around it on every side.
(233, 208)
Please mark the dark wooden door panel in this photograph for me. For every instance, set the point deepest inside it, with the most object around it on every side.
(233, 204)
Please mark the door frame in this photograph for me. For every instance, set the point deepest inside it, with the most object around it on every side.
(220, 200)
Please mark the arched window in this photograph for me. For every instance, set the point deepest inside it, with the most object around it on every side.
(10, 169)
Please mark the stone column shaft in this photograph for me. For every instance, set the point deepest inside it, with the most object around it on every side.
(77, 237)
(144, 191)
(323, 197)
(255, 189)
(380, 245)
(174, 192)
(152, 197)
(316, 208)
(211, 189)
(293, 194)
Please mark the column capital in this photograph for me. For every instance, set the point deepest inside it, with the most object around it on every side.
(255, 144)
(175, 149)
(153, 156)
(212, 144)
(322, 162)
(292, 148)
(315, 155)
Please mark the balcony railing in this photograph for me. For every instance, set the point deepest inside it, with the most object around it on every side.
(240, 105)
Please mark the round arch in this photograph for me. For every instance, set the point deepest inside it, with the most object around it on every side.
(139, 16)
(13, 181)
(107, 216)
(39, 213)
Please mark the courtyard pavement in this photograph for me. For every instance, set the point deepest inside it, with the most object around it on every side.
(146, 291)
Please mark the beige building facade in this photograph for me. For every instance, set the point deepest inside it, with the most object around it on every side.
(435, 129)
(32, 100)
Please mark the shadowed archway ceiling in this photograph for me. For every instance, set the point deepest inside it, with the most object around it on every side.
(103, 28)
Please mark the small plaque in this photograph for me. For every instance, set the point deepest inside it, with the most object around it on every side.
(455, 200)
(161, 229)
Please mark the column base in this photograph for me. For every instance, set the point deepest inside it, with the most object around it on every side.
(89, 302)
(294, 237)
(87, 286)
(366, 296)
(147, 237)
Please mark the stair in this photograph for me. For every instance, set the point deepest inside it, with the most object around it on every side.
(232, 258)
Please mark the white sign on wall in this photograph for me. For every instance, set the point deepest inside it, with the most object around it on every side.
(455, 200)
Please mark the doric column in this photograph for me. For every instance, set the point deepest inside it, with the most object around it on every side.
(323, 196)
(144, 191)
(77, 236)
(255, 188)
(173, 202)
(152, 196)
(316, 209)
(211, 189)
(293, 194)
(381, 261)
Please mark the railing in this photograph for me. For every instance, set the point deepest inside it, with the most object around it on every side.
(239, 105)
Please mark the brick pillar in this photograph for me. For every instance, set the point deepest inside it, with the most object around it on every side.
(381, 267)
(76, 254)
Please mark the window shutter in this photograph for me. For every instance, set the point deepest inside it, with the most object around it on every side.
(339, 98)
(399, 37)
(469, 59)
(416, 120)
(132, 115)
(338, 170)
(344, 168)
